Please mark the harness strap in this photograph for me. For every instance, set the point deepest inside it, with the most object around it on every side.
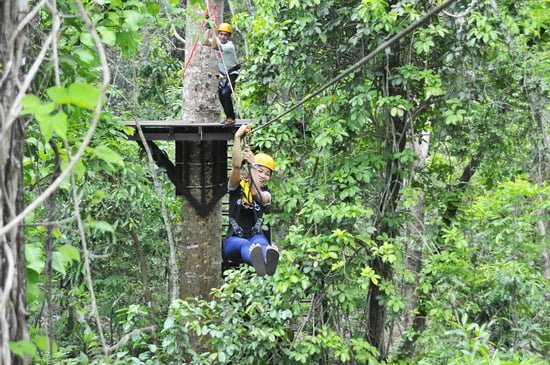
(237, 230)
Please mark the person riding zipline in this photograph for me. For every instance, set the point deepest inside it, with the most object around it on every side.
(248, 200)
(228, 66)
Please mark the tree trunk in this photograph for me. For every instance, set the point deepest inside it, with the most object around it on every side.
(200, 252)
(393, 142)
(13, 314)
(201, 247)
(413, 251)
(388, 206)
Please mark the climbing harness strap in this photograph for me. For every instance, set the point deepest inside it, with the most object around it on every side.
(232, 71)
(237, 230)
(246, 197)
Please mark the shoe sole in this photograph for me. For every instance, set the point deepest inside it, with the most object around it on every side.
(257, 260)
(271, 260)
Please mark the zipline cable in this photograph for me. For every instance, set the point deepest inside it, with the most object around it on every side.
(362, 61)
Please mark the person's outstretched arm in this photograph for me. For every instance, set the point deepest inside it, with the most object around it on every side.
(237, 158)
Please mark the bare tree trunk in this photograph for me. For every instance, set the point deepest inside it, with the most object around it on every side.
(201, 252)
(13, 314)
(200, 85)
(200, 247)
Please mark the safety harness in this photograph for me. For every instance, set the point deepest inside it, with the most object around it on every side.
(234, 228)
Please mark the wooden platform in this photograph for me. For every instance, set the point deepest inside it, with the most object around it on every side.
(177, 130)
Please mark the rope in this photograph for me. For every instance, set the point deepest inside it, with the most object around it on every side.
(188, 61)
(362, 61)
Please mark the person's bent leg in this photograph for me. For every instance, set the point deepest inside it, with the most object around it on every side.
(232, 248)
(271, 260)
(257, 259)
(261, 240)
(270, 253)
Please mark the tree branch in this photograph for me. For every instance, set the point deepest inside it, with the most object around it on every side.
(87, 138)
(124, 340)
(172, 262)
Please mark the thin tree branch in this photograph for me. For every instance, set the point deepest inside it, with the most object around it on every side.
(50, 223)
(56, 24)
(20, 26)
(88, 137)
(15, 108)
(172, 262)
(49, 239)
(6, 288)
(124, 340)
(172, 28)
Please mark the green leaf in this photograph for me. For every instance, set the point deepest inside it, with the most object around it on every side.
(86, 39)
(34, 257)
(57, 93)
(79, 168)
(153, 8)
(59, 123)
(107, 35)
(22, 348)
(85, 54)
(132, 19)
(128, 42)
(46, 124)
(59, 262)
(101, 225)
(52, 123)
(108, 155)
(70, 252)
(169, 323)
(84, 95)
(30, 103)
(43, 343)
(33, 288)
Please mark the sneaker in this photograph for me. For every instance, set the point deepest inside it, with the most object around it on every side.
(257, 259)
(271, 260)
(229, 121)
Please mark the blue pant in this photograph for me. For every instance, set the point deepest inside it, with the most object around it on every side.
(237, 249)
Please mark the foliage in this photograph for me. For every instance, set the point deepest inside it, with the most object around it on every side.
(347, 190)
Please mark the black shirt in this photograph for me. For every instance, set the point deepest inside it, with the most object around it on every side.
(242, 206)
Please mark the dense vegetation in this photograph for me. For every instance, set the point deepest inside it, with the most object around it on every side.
(410, 202)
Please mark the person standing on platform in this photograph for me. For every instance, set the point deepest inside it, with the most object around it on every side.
(228, 66)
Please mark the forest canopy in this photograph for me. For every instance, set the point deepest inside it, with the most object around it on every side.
(410, 200)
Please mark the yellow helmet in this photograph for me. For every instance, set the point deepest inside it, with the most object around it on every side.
(265, 160)
(225, 27)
